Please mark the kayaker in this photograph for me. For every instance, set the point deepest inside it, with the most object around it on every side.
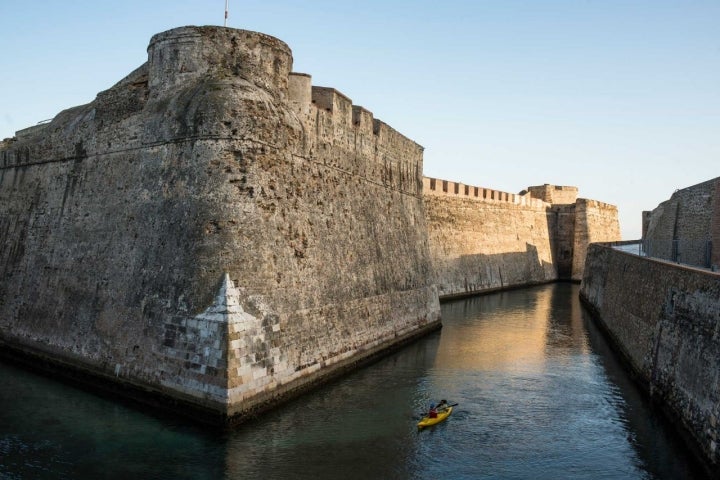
(433, 411)
(442, 405)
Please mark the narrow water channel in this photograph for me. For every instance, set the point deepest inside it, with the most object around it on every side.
(540, 397)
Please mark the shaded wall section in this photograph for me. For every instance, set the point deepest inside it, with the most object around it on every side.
(594, 222)
(684, 228)
(715, 229)
(561, 223)
(664, 319)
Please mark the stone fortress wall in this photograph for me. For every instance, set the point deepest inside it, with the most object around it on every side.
(218, 232)
(595, 222)
(557, 194)
(213, 229)
(483, 239)
(686, 227)
(664, 319)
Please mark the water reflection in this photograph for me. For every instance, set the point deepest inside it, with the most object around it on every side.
(475, 341)
(648, 432)
(540, 395)
(358, 427)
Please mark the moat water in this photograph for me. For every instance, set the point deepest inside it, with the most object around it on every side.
(540, 395)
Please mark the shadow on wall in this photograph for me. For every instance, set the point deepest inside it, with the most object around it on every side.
(561, 229)
(685, 227)
(477, 273)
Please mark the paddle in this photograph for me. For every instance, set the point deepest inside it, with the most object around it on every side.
(424, 414)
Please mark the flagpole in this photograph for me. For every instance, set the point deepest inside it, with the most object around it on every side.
(226, 12)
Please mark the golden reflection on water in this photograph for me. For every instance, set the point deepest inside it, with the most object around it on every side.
(498, 333)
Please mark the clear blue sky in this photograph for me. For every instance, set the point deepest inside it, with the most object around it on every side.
(619, 98)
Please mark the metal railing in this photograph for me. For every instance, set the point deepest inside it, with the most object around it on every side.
(689, 252)
(696, 253)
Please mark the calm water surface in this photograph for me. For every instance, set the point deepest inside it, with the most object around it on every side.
(540, 396)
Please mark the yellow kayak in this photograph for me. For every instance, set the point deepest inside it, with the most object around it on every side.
(442, 415)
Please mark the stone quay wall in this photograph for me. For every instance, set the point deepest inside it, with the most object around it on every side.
(213, 229)
(664, 319)
(483, 239)
(686, 227)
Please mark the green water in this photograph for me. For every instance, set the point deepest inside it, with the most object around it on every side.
(540, 397)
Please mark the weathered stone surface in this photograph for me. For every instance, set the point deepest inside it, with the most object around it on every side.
(482, 239)
(555, 194)
(480, 244)
(213, 228)
(665, 319)
(686, 227)
(217, 229)
(594, 222)
(715, 229)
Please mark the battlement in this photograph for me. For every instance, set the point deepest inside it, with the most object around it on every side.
(299, 87)
(373, 149)
(203, 77)
(184, 55)
(555, 194)
(304, 96)
(437, 187)
(331, 100)
(588, 203)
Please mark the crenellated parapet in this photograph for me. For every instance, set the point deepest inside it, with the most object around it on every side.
(483, 239)
(370, 147)
(185, 55)
(438, 187)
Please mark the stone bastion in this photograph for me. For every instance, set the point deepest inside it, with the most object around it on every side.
(212, 232)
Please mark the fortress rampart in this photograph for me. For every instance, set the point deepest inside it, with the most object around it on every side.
(437, 187)
(594, 222)
(213, 229)
(556, 194)
(483, 239)
(217, 232)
